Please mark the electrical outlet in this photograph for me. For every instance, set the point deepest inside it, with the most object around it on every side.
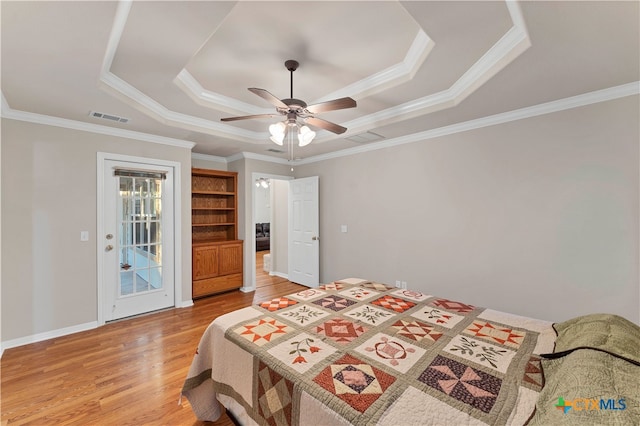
(398, 284)
(403, 285)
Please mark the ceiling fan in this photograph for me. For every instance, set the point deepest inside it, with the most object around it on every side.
(294, 109)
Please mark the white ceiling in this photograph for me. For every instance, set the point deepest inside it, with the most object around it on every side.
(415, 68)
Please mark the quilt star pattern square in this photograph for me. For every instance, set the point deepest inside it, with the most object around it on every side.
(437, 317)
(341, 330)
(354, 381)
(277, 303)
(392, 352)
(334, 302)
(416, 330)
(462, 382)
(393, 303)
(496, 333)
(263, 330)
(353, 352)
(303, 314)
(453, 306)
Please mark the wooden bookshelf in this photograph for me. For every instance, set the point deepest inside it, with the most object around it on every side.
(217, 252)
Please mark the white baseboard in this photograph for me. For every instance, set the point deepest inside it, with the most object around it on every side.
(185, 304)
(39, 337)
(34, 338)
(279, 274)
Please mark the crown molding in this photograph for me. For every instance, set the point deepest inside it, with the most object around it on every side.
(511, 45)
(392, 76)
(261, 157)
(207, 157)
(612, 93)
(133, 97)
(189, 85)
(385, 79)
(145, 104)
(30, 117)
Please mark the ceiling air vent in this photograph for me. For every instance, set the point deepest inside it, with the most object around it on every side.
(277, 151)
(109, 117)
(366, 137)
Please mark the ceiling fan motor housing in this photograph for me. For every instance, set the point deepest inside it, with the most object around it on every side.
(295, 105)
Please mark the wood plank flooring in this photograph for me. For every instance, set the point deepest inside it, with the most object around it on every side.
(128, 372)
(263, 278)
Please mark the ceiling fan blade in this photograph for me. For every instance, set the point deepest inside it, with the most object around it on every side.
(269, 97)
(327, 125)
(246, 117)
(333, 105)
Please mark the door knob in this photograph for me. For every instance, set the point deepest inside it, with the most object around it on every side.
(109, 236)
(315, 238)
(108, 248)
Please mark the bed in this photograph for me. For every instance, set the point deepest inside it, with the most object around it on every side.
(363, 353)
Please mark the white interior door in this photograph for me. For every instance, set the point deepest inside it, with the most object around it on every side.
(304, 239)
(138, 245)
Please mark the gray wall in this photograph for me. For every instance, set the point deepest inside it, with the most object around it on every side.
(262, 201)
(280, 228)
(538, 217)
(48, 197)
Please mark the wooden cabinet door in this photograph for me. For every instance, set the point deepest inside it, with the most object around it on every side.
(205, 262)
(230, 259)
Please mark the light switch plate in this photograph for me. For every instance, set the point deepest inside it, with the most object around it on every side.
(343, 228)
(84, 235)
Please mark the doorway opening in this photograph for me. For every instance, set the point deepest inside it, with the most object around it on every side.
(270, 229)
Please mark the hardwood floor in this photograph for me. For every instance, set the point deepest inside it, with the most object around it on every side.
(128, 372)
(263, 278)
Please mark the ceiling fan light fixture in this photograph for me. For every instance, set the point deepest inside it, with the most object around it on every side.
(278, 140)
(295, 109)
(305, 136)
(277, 131)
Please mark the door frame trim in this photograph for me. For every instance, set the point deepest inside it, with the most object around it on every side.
(177, 219)
(250, 271)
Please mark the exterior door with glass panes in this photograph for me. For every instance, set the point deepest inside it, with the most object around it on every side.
(138, 240)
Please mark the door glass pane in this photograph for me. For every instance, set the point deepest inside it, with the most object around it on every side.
(155, 278)
(142, 257)
(126, 259)
(154, 232)
(126, 283)
(140, 235)
(137, 186)
(154, 249)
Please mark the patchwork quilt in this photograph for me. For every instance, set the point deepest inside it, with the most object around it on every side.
(363, 353)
